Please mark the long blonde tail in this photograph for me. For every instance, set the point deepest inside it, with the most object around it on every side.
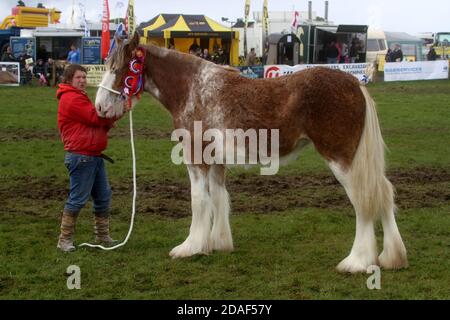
(372, 191)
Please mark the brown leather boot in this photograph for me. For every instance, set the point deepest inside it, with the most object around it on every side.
(102, 230)
(65, 242)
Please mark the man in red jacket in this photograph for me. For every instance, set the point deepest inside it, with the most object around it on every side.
(85, 136)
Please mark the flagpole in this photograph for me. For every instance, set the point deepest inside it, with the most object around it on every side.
(265, 28)
(246, 13)
(72, 18)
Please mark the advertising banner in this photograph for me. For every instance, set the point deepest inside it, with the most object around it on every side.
(421, 70)
(94, 74)
(362, 71)
(105, 30)
(252, 72)
(246, 13)
(9, 74)
(91, 50)
(265, 26)
(130, 20)
(23, 46)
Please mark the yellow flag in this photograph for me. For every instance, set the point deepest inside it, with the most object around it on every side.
(130, 19)
(247, 8)
(265, 21)
(247, 12)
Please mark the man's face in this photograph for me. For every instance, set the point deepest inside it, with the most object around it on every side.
(79, 80)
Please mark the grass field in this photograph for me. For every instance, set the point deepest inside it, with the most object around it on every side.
(290, 230)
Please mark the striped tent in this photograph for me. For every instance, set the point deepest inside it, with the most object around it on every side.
(183, 30)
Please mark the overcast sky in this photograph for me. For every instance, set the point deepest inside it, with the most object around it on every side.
(410, 16)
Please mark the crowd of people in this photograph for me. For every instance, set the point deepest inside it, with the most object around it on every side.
(45, 70)
(218, 56)
(341, 52)
(396, 55)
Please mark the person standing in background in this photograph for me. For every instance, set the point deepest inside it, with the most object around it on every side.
(74, 55)
(397, 54)
(251, 57)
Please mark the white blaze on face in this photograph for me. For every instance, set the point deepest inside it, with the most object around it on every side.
(107, 103)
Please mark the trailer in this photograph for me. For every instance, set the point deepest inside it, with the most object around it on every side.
(283, 49)
(315, 38)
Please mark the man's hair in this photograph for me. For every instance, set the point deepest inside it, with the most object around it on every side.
(69, 72)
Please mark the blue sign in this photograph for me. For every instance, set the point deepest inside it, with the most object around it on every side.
(91, 50)
(23, 47)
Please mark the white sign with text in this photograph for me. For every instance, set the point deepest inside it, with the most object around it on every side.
(420, 70)
(362, 71)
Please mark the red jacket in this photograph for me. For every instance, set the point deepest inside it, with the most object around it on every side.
(82, 130)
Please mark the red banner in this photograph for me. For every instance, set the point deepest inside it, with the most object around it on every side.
(105, 30)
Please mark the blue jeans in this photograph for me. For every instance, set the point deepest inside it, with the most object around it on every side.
(87, 178)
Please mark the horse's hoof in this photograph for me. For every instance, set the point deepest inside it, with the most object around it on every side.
(225, 248)
(353, 264)
(222, 244)
(186, 249)
(179, 252)
(397, 260)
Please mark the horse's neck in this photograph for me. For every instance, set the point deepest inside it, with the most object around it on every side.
(170, 74)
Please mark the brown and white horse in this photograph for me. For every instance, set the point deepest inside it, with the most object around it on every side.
(326, 107)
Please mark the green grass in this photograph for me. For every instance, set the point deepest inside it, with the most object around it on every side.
(282, 251)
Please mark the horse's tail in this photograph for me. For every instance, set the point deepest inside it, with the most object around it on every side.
(372, 191)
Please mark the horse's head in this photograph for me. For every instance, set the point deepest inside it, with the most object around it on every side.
(109, 100)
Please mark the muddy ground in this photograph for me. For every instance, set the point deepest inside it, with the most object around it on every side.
(421, 188)
(26, 134)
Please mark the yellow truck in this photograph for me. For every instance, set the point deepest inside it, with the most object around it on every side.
(442, 45)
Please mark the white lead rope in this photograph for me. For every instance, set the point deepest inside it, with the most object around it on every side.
(134, 196)
(109, 89)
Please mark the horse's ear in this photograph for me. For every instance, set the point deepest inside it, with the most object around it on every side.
(118, 39)
(134, 42)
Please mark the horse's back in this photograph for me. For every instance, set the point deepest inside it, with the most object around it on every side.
(321, 104)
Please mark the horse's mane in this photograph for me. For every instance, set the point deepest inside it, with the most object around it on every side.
(116, 59)
(229, 69)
